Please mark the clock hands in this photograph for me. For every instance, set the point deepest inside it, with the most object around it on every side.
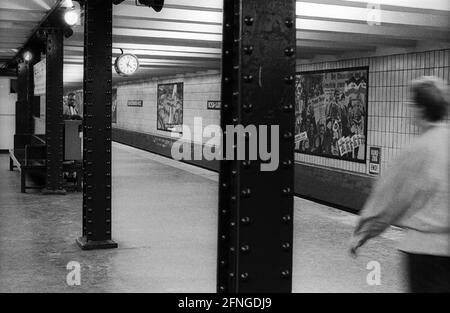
(127, 64)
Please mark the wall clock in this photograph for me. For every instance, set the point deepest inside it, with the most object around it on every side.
(126, 64)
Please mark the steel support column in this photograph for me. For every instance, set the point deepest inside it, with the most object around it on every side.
(54, 90)
(23, 110)
(97, 126)
(256, 207)
(25, 82)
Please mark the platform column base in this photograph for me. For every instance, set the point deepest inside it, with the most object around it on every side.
(84, 244)
(60, 192)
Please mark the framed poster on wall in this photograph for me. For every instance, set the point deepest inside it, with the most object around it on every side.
(170, 107)
(331, 113)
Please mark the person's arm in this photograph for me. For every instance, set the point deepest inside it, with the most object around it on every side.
(402, 189)
(66, 113)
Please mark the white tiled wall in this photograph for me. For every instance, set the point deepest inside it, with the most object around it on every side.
(198, 89)
(7, 114)
(389, 116)
(39, 122)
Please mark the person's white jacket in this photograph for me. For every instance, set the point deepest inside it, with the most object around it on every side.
(414, 194)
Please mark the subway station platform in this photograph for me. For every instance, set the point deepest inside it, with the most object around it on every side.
(165, 222)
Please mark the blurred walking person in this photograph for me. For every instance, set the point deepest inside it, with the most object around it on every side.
(414, 194)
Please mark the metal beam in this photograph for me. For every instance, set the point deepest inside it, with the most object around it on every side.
(23, 112)
(54, 112)
(25, 83)
(255, 206)
(97, 87)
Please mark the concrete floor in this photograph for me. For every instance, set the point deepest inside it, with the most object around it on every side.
(164, 220)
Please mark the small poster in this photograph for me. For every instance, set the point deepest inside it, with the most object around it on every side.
(299, 138)
(40, 79)
(213, 105)
(375, 160)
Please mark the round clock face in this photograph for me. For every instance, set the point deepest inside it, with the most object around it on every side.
(127, 64)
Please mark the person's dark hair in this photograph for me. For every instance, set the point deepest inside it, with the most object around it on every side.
(71, 94)
(431, 96)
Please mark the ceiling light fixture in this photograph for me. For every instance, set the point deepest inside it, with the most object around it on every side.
(27, 56)
(71, 17)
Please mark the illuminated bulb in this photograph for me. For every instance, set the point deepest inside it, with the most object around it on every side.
(27, 56)
(71, 17)
(67, 4)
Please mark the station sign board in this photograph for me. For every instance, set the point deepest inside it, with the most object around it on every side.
(213, 105)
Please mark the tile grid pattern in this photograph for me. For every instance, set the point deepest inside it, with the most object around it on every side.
(389, 115)
(197, 91)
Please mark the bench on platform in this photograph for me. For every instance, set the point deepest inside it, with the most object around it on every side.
(29, 156)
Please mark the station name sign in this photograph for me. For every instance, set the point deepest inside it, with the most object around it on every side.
(213, 105)
(135, 103)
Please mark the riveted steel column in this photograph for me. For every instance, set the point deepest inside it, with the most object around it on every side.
(24, 104)
(256, 207)
(97, 126)
(23, 114)
(54, 90)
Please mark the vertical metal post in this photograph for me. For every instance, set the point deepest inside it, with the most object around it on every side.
(256, 207)
(36, 49)
(54, 90)
(97, 87)
(24, 105)
(22, 114)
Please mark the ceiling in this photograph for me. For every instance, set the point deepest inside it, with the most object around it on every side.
(18, 20)
(186, 35)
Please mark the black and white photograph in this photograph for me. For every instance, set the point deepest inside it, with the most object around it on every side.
(224, 155)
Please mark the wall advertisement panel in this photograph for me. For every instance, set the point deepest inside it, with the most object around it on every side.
(331, 113)
(170, 107)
